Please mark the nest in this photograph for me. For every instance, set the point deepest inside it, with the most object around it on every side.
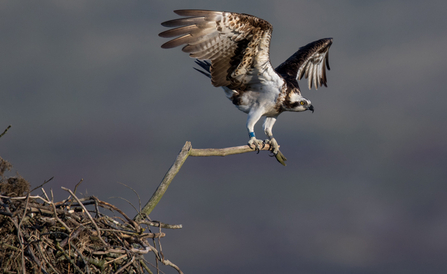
(74, 235)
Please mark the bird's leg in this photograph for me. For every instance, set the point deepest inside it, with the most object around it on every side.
(253, 142)
(268, 125)
(253, 117)
(274, 147)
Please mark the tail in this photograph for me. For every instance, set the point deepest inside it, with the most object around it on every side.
(206, 66)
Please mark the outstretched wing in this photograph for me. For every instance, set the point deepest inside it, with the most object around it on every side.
(309, 61)
(236, 44)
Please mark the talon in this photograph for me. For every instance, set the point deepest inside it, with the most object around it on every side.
(274, 147)
(256, 144)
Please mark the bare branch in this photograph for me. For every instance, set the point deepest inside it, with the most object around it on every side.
(206, 152)
(4, 132)
(186, 151)
(44, 182)
(157, 224)
(76, 186)
(175, 168)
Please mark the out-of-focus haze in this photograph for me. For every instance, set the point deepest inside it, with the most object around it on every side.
(90, 94)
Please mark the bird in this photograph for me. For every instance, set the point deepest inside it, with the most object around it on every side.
(233, 50)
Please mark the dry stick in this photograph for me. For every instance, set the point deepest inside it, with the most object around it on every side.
(116, 259)
(4, 132)
(25, 197)
(72, 235)
(181, 158)
(20, 236)
(47, 260)
(58, 219)
(44, 182)
(24, 211)
(20, 239)
(145, 266)
(67, 256)
(165, 262)
(88, 214)
(76, 186)
(34, 258)
(234, 150)
(157, 224)
(120, 251)
(169, 263)
(186, 151)
(128, 234)
(46, 196)
(82, 258)
(205, 152)
(125, 266)
(129, 202)
(135, 225)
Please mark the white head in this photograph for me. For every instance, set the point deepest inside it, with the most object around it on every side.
(296, 102)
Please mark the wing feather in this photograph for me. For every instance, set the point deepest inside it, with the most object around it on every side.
(182, 22)
(178, 41)
(236, 44)
(199, 13)
(179, 31)
(309, 61)
(315, 77)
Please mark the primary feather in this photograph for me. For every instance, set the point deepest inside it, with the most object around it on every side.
(237, 46)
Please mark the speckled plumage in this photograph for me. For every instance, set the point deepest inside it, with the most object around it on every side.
(237, 46)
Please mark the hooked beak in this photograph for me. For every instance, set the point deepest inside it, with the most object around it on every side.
(311, 108)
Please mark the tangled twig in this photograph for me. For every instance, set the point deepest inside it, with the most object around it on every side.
(39, 234)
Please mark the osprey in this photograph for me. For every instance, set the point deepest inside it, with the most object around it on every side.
(238, 47)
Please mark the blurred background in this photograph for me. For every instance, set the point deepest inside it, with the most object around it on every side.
(90, 94)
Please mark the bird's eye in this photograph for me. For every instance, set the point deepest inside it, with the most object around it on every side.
(303, 103)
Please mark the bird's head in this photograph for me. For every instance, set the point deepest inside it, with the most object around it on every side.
(296, 102)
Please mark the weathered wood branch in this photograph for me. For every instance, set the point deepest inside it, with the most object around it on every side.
(186, 151)
(205, 152)
(6, 130)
